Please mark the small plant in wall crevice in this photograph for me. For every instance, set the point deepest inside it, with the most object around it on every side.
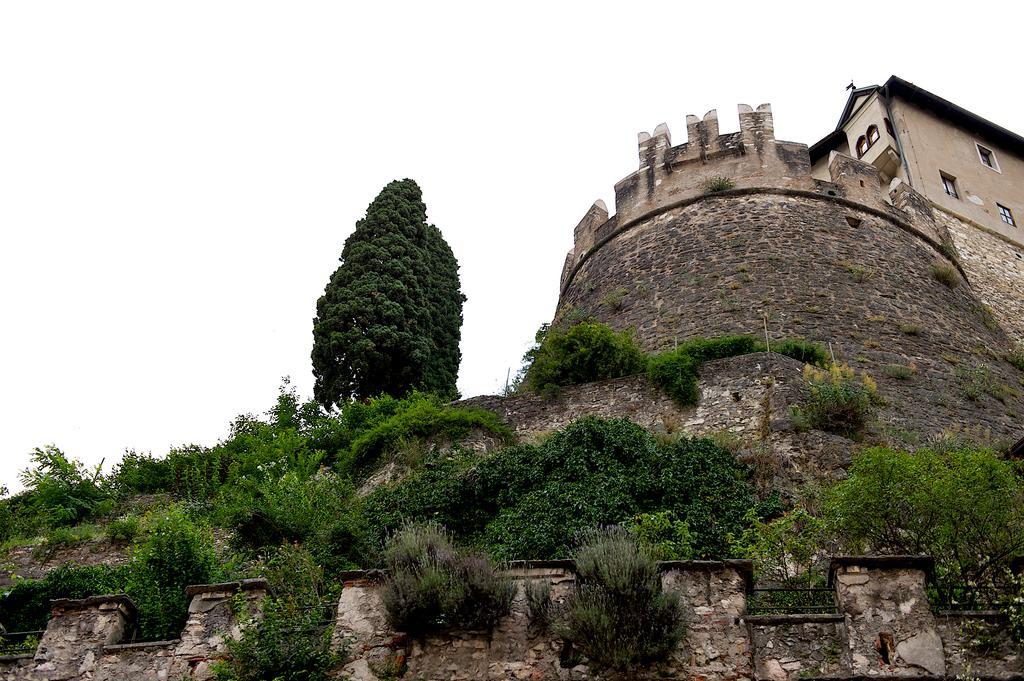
(717, 183)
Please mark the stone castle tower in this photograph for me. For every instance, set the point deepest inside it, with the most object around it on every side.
(729, 233)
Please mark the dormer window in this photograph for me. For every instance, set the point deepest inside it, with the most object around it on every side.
(862, 146)
(872, 135)
(987, 157)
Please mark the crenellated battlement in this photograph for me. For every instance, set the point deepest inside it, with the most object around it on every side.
(750, 160)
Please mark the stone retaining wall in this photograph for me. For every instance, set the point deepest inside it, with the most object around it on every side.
(883, 628)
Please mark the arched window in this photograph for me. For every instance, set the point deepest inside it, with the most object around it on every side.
(872, 135)
(862, 146)
(888, 128)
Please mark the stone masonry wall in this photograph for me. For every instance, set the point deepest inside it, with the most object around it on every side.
(88, 639)
(810, 268)
(996, 270)
(883, 627)
(745, 400)
(846, 262)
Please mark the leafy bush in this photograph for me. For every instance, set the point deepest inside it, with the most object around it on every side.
(176, 553)
(1013, 609)
(26, 605)
(60, 489)
(804, 351)
(141, 474)
(717, 184)
(617, 614)
(422, 416)
(434, 585)
(289, 639)
(530, 501)
(588, 351)
(663, 534)
(837, 401)
(291, 508)
(785, 550)
(964, 507)
(125, 528)
(62, 537)
(675, 371)
(946, 273)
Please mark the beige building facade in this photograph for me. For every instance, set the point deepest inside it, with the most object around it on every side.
(970, 169)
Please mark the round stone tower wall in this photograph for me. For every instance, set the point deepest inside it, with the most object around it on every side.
(832, 262)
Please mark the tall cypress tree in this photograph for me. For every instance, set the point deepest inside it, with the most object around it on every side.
(390, 318)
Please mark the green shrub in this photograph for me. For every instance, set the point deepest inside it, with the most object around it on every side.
(60, 490)
(717, 184)
(314, 511)
(531, 501)
(837, 401)
(962, 506)
(675, 371)
(25, 606)
(125, 528)
(62, 537)
(946, 273)
(420, 418)
(785, 550)
(1013, 609)
(141, 474)
(433, 585)
(804, 351)
(663, 535)
(176, 553)
(289, 637)
(588, 351)
(617, 614)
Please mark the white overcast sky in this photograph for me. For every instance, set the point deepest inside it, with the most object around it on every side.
(177, 178)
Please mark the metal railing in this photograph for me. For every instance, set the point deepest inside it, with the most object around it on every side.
(965, 597)
(791, 601)
(19, 642)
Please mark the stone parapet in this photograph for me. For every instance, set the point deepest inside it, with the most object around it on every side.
(883, 627)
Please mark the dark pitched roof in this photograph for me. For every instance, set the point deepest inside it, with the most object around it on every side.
(897, 87)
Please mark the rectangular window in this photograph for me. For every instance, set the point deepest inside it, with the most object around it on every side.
(949, 184)
(1005, 215)
(987, 156)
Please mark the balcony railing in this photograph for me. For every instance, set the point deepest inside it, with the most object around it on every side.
(19, 642)
(967, 598)
(787, 601)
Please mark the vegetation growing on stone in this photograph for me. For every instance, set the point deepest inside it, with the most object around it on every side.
(717, 184)
(390, 318)
(617, 613)
(959, 503)
(25, 606)
(176, 553)
(531, 501)
(432, 584)
(946, 273)
(588, 351)
(836, 400)
(289, 636)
